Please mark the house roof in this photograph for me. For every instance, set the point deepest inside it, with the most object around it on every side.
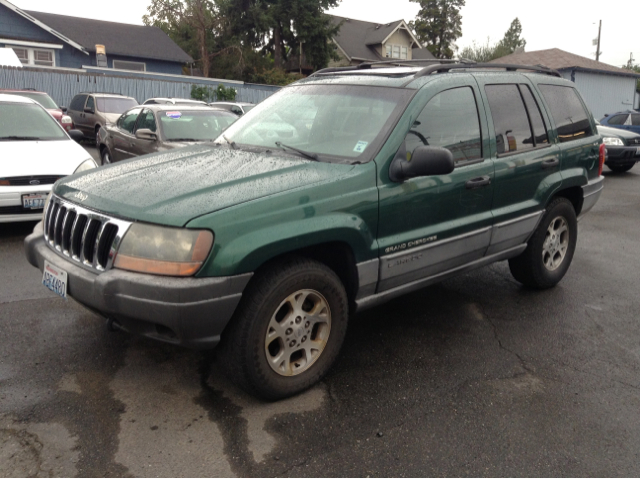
(561, 60)
(358, 38)
(118, 38)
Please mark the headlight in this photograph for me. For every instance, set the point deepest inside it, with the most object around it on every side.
(66, 120)
(164, 251)
(87, 165)
(611, 141)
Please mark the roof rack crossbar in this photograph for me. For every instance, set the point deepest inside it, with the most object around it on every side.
(508, 67)
(396, 62)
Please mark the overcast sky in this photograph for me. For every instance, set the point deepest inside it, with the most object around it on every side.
(566, 24)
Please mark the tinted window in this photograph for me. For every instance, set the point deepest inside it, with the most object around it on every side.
(535, 116)
(450, 120)
(572, 120)
(617, 119)
(27, 120)
(147, 120)
(115, 105)
(513, 132)
(635, 120)
(128, 120)
(91, 104)
(77, 104)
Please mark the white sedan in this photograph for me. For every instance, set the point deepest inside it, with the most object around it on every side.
(35, 152)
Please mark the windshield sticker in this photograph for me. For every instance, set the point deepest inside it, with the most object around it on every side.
(174, 114)
(360, 146)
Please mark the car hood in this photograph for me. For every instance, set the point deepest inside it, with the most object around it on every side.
(112, 117)
(175, 186)
(619, 132)
(57, 114)
(41, 158)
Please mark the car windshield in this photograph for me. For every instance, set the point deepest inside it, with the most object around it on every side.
(42, 98)
(115, 105)
(23, 122)
(247, 108)
(332, 121)
(199, 125)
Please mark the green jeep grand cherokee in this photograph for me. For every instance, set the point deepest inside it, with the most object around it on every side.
(338, 193)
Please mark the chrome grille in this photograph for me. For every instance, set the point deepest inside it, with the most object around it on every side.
(84, 236)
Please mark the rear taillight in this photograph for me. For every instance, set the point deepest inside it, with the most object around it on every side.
(601, 158)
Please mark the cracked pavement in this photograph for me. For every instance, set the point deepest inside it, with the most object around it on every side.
(475, 376)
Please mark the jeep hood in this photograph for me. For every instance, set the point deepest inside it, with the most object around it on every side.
(175, 186)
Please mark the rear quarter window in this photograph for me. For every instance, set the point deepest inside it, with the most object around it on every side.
(572, 119)
(617, 120)
(77, 104)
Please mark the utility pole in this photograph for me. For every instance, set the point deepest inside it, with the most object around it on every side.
(598, 48)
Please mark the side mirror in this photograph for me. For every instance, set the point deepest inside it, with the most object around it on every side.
(76, 135)
(89, 110)
(425, 161)
(64, 109)
(146, 134)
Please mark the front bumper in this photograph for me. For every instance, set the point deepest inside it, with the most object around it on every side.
(591, 194)
(11, 203)
(190, 312)
(622, 154)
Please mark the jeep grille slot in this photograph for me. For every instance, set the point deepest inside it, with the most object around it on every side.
(85, 237)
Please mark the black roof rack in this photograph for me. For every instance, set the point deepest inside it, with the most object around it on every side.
(389, 63)
(508, 67)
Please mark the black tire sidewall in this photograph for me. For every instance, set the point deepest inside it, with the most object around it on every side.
(103, 152)
(272, 385)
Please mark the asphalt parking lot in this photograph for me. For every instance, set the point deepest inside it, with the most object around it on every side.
(475, 376)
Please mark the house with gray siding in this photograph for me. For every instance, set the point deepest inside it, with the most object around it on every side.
(60, 41)
(606, 89)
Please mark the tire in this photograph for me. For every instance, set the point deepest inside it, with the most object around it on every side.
(621, 168)
(550, 250)
(257, 350)
(105, 156)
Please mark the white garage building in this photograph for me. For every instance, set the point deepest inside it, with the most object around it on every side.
(605, 88)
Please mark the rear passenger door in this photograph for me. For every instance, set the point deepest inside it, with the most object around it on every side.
(527, 162)
(75, 109)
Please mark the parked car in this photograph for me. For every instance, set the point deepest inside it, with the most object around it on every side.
(239, 108)
(58, 112)
(92, 111)
(36, 152)
(266, 246)
(173, 101)
(624, 120)
(154, 128)
(623, 148)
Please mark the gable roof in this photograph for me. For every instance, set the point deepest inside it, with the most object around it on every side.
(561, 60)
(357, 38)
(118, 38)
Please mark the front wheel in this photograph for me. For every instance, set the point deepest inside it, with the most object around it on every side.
(621, 168)
(550, 250)
(287, 331)
(105, 155)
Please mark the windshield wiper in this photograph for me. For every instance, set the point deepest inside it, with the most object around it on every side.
(311, 156)
(232, 143)
(19, 138)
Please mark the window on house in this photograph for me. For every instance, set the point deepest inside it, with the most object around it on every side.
(32, 56)
(133, 66)
(396, 51)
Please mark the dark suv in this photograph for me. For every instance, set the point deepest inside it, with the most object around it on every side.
(338, 193)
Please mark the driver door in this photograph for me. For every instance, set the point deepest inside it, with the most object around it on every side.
(123, 138)
(429, 225)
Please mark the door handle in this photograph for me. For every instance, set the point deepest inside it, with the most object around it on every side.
(478, 182)
(550, 163)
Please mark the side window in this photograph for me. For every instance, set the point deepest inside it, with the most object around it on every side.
(572, 120)
(617, 119)
(91, 104)
(540, 136)
(236, 109)
(77, 104)
(635, 120)
(450, 120)
(128, 120)
(147, 120)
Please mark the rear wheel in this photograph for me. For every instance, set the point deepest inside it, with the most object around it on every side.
(287, 331)
(550, 250)
(621, 168)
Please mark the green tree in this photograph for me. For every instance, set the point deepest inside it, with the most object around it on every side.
(438, 25)
(487, 52)
(512, 38)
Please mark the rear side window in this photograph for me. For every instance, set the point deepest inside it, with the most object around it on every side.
(514, 131)
(617, 120)
(572, 120)
(635, 120)
(450, 120)
(77, 104)
(535, 116)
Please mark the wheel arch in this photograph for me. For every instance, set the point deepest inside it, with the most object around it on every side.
(574, 194)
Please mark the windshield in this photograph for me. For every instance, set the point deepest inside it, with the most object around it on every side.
(247, 108)
(19, 121)
(329, 120)
(192, 125)
(115, 105)
(42, 98)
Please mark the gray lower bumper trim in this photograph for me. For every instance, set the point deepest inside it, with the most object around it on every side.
(591, 194)
(193, 311)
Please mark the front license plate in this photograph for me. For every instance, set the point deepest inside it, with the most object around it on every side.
(55, 279)
(34, 201)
